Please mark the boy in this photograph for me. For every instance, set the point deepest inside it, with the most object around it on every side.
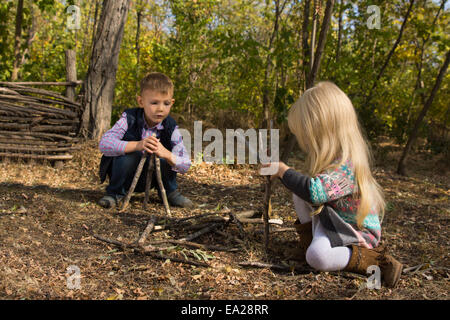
(134, 133)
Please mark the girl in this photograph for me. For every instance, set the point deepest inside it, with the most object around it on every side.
(343, 233)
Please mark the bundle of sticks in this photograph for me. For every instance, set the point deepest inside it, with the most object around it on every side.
(36, 123)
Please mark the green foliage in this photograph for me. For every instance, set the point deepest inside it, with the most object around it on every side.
(216, 52)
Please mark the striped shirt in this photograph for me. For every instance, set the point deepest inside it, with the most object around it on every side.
(112, 145)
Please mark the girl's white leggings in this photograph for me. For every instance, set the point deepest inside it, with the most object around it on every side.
(320, 255)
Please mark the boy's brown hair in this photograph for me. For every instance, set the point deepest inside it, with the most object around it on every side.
(157, 81)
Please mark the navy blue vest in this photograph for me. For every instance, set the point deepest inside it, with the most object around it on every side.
(136, 122)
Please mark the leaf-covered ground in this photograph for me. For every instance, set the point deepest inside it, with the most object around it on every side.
(43, 211)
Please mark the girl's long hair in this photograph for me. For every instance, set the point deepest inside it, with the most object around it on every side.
(326, 126)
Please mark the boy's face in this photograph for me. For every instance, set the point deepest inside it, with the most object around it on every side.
(156, 106)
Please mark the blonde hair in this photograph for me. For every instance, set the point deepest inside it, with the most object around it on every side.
(326, 126)
(157, 81)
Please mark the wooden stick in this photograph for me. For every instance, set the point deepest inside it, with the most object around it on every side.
(20, 88)
(150, 251)
(223, 234)
(133, 183)
(147, 250)
(40, 128)
(31, 102)
(190, 262)
(34, 156)
(278, 267)
(31, 83)
(234, 219)
(267, 202)
(201, 232)
(148, 230)
(120, 244)
(195, 245)
(277, 230)
(71, 73)
(195, 217)
(40, 119)
(35, 149)
(148, 181)
(161, 185)
(38, 134)
(8, 91)
(19, 109)
(37, 143)
(267, 210)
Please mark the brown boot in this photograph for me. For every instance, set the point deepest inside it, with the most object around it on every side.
(362, 258)
(305, 232)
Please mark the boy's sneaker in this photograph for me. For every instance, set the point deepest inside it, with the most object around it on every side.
(176, 199)
(107, 202)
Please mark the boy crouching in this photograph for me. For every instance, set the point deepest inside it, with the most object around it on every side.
(150, 129)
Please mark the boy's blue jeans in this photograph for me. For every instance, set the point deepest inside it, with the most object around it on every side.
(123, 170)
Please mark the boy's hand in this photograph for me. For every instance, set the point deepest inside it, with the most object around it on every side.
(153, 145)
(275, 169)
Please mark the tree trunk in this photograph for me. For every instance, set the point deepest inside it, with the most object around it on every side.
(390, 54)
(321, 45)
(419, 64)
(305, 48)
(139, 10)
(314, 71)
(17, 41)
(101, 75)
(313, 35)
(339, 37)
(401, 169)
(266, 89)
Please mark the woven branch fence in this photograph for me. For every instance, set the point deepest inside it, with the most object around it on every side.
(37, 123)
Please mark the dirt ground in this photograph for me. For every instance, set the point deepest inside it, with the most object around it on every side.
(43, 212)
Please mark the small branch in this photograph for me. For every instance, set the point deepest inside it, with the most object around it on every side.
(201, 232)
(148, 229)
(413, 268)
(134, 183)
(195, 245)
(223, 234)
(234, 219)
(120, 244)
(147, 250)
(148, 181)
(163, 257)
(277, 230)
(161, 185)
(278, 267)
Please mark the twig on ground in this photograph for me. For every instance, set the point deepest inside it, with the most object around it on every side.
(278, 267)
(195, 245)
(163, 257)
(413, 269)
(234, 219)
(147, 250)
(223, 234)
(148, 229)
(201, 232)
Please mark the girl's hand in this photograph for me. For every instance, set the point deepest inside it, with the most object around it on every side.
(277, 169)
